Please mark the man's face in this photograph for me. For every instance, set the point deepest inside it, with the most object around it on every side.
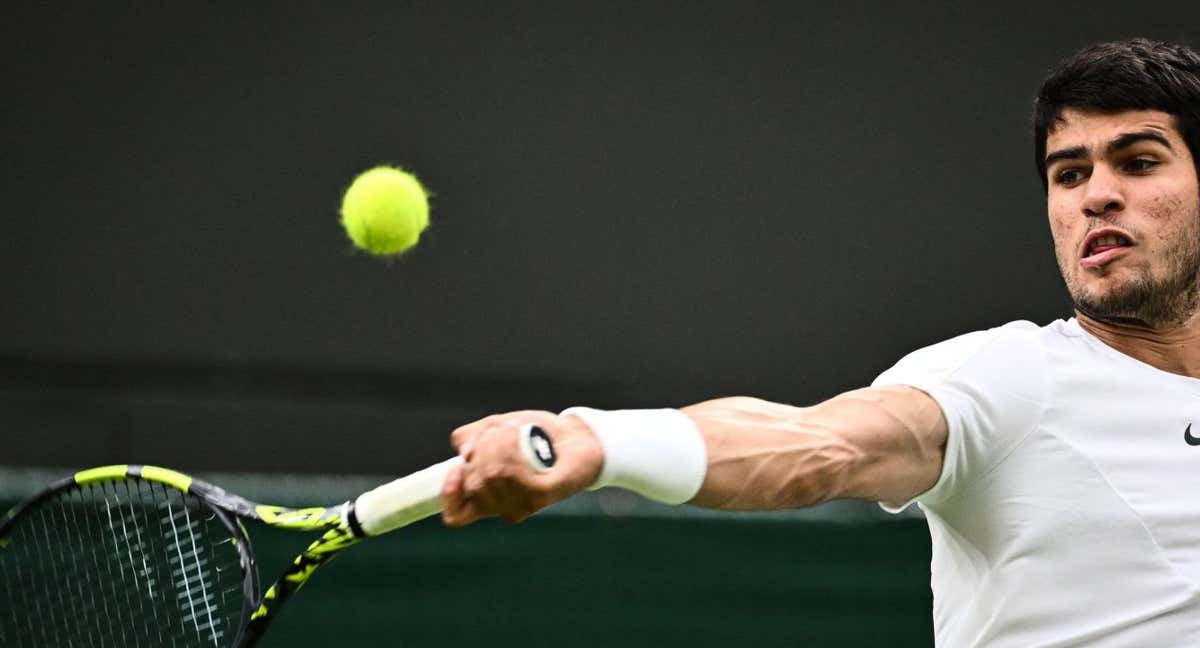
(1124, 207)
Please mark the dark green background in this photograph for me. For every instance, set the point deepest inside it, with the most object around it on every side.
(618, 583)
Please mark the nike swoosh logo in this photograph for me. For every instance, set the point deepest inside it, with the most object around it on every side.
(1187, 436)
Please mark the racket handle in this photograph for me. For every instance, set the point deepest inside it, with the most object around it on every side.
(415, 497)
(403, 501)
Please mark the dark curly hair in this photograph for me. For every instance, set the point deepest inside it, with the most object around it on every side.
(1137, 74)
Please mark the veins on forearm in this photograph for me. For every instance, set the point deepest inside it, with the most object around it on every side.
(870, 443)
(765, 455)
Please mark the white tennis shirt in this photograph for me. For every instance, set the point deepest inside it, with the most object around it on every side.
(1067, 512)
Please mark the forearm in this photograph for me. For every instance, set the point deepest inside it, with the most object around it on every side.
(881, 444)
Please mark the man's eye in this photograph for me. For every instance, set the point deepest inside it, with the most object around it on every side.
(1140, 165)
(1068, 177)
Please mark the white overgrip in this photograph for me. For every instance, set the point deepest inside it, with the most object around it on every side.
(403, 501)
(415, 497)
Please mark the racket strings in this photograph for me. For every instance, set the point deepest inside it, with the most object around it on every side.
(128, 563)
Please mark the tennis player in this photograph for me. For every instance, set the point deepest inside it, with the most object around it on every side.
(1058, 466)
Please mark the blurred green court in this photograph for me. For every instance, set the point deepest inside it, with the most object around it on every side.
(587, 581)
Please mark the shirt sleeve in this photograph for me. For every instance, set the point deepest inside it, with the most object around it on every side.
(991, 386)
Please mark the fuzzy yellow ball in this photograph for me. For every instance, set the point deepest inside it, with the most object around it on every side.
(385, 210)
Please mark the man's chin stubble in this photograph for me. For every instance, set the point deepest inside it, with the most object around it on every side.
(1144, 303)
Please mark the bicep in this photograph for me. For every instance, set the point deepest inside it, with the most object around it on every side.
(879, 443)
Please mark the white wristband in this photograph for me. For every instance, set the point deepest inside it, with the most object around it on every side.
(656, 453)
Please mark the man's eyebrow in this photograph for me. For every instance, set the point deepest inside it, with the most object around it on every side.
(1118, 143)
(1129, 139)
(1073, 153)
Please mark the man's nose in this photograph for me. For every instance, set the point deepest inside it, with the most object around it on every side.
(1103, 195)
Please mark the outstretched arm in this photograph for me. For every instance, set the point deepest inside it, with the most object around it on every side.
(881, 443)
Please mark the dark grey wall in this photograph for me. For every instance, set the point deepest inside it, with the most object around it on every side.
(634, 205)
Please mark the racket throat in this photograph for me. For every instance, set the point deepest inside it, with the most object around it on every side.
(352, 523)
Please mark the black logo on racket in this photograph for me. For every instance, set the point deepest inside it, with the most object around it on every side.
(542, 447)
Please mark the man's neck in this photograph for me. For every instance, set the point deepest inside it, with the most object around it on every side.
(1173, 349)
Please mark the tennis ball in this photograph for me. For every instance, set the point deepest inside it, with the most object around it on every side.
(385, 210)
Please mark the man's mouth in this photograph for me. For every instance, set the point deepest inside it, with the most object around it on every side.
(1105, 243)
(1102, 247)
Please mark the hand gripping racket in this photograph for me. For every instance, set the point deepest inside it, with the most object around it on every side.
(132, 555)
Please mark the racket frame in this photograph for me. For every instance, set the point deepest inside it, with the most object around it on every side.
(258, 608)
(380, 510)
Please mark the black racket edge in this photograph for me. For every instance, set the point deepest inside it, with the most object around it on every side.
(338, 522)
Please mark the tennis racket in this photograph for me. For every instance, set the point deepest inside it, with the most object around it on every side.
(131, 555)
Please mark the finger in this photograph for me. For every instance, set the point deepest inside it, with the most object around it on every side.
(471, 480)
(451, 486)
(457, 508)
(451, 496)
(463, 514)
(487, 448)
(466, 433)
(482, 495)
(470, 443)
